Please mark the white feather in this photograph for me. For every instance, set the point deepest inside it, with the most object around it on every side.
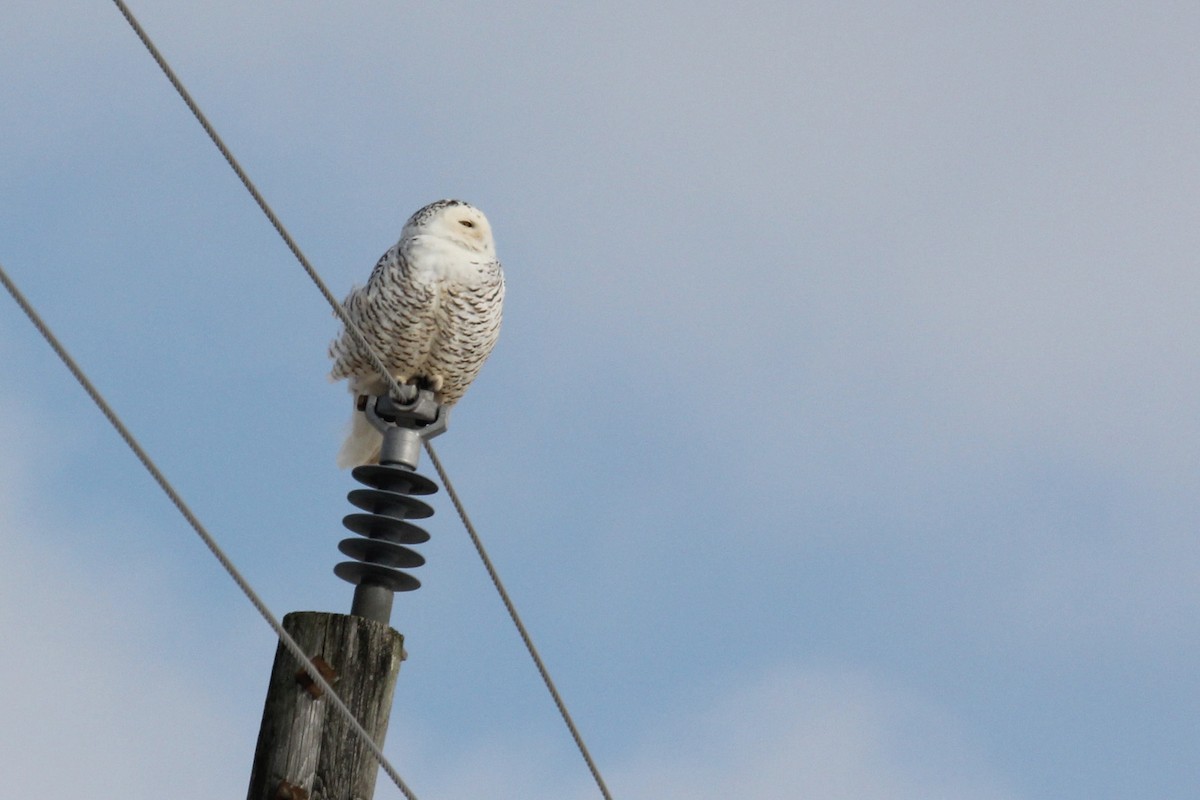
(431, 310)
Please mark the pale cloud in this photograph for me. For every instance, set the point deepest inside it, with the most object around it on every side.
(826, 734)
(829, 733)
(97, 694)
(91, 696)
(908, 291)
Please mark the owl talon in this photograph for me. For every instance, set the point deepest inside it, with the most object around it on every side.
(433, 384)
(407, 394)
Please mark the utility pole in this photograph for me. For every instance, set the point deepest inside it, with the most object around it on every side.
(306, 750)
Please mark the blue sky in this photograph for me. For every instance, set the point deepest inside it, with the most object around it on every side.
(841, 440)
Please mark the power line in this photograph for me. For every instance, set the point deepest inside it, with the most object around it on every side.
(380, 368)
(199, 528)
(512, 613)
(357, 334)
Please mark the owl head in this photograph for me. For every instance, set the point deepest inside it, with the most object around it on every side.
(453, 221)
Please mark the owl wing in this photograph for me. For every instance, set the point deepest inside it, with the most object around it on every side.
(394, 313)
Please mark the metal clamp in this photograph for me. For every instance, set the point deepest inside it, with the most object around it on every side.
(418, 409)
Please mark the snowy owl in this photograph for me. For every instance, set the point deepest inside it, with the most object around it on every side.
(431, 310)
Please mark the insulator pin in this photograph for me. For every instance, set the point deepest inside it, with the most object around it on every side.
(392, 480)
(380, 551)
(375, 526)
(380, 555)
(360, 574)
(389, 504)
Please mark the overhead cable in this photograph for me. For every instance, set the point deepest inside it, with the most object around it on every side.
(201, 531)
(380, 368)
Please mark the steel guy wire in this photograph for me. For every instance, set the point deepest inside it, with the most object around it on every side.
(359, 339)
(512, 613)
(379, 367)
(200, 530)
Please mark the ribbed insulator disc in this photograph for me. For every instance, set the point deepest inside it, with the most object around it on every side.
(379, 527)
(392, 504)
(378, 551)
(395, 479)
(356, 572)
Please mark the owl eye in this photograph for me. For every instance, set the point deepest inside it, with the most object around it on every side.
(466, 223)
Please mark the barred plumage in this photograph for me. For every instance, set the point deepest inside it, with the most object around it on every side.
(431, 309)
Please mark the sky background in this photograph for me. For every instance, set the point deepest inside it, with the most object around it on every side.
(841, 440)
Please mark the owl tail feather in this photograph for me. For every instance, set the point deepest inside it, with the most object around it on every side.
(362, 443)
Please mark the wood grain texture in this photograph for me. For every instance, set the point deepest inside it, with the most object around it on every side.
(303, 745)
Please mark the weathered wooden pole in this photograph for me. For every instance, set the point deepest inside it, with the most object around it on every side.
(306, 751)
